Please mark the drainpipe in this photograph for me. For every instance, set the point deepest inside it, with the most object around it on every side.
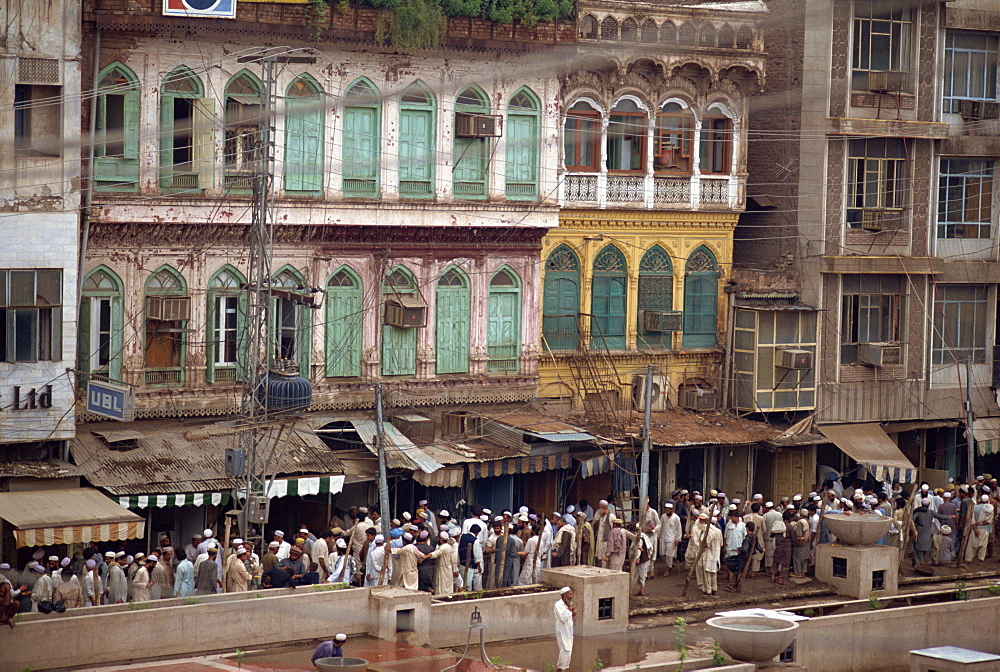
(727, 361)
(88, 193)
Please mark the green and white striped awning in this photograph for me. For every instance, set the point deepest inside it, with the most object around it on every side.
(177, 499)
(306, 485)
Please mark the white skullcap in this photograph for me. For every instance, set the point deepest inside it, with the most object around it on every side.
(925, 501)
(341, 543)
(758, 496)
(603, 502)
(242, 551)
(484, 517)
(340, 637)
(422, 502)
(406, 535)
(407, 516)
(6, 565)
(444, 534)
(797, 498)
(523, 510)
(279, 533)
(556, 513)
(379, 539)
(53, 558)
(274, 544)
(237, 540)
(109, 554)
(564, 590)
(523, 518)
(668, 505)
(945, 529)
(395, 521)
(925, 487)
(570, 509)
(444, 513)
(768, 504)
(947, 495)
(207, 532)
(497, 519)
(487, 511)
(984, 498)
(986, 488)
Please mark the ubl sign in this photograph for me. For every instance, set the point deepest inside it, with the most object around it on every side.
(111, 401)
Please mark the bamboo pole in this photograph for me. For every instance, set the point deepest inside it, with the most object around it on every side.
(749, 561)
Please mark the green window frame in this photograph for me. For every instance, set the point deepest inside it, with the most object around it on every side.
(344, 323)
(116, 147)
(165, 342)
(561, 299)
(187, 134)
(362, 140)
(291, 323)
(452, 322)
(99, 336)
(609, 298)
(656, 292)
(470, 168)
(416, 142)
(304, 132)
(245, 117)
(225, 340)
(701, 300)
(399, 345)
(503, 322)
(523, 141)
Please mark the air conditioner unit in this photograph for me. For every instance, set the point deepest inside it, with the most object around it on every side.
(795, 359)
(881, 219)
(978, 109)
(405, 312)
(697, 399)
(477, 125)
(659, 400)
(886, 81)
(662, 320)
(168, 308)
(880, 354)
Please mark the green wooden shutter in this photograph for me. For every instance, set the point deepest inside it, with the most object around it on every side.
(361, 141)
(522, 157)
(167, 141)
(343, 332)
(608, 308)
(700, 309)
(561, 298)
(416, 153)
(211, 329)
(305, 341)
(399, 351)
(83, 339)
(469, 174)
(242, 311)
(452, 330)
(303, 146)
(117, 338)
(503, 330)
(132, 128)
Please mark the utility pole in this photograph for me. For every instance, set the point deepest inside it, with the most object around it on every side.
(969, 438)
(383, 481)
(646, 439)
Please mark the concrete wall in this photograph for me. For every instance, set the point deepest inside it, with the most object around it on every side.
(505, 618)
(881, 639)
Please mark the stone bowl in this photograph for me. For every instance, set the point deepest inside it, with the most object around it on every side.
(752, 639)
(858, 529)
(341, 665)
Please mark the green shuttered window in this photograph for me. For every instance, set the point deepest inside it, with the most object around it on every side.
(522, 146)
(344, 318)
(304, 138)
(452, 322)
(416, 142)
(561, 299)
(362, 140)
(701, 299)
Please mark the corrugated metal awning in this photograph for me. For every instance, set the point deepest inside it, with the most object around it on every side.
(869, 445)
(69, 516)
(182, 499)
(986, 432)
(449, 477)
(519, 465)
(400, 452)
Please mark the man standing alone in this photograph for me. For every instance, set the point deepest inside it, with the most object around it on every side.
(564, 612)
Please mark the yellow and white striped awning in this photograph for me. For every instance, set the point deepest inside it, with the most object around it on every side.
(70, 516)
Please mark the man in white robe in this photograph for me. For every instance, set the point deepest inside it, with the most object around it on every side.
(374, 576)
(564, 613)
(117, 581)
(671, 532)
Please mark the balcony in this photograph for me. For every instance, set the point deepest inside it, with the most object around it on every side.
(696, 192)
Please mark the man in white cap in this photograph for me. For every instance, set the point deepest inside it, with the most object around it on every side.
(206, 540)
(710, 559)
(602, 527)
(142, 581)
(616, 546)
(564, 613)
(923, 524)
(284, 548)
(671, 532)
(446, 570)
(771, 516)
(946, 553)
(330, 649)
(184, 578)
(191, 550)
(982, 530)
(376, 573)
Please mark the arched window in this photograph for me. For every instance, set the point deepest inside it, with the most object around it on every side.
(303, 162)
(362, 140)
(608, 297)
(244, 123)
(561, 299)
(630, 30)
(399, 344)
(727, 37)
(668, 33)
(626, 142)
(588, 27)
(451, 322)
(582, 138)
(716, 145)
(706, 36)
(609, 28)
(167, 311)
(292, 322)
(503, 322)
(686, 35)
(99, 340)
(744, 38)
(701, 299)
(116, 147)
(416, 142)
(650, 34)
(187, 140)
(656, 294)
(344, 319)
(471, 149)
(227, 311)
(523, 131)
(674, 139)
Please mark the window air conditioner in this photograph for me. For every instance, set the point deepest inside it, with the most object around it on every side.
(168, 308)
(880, 354)
(795, 359)
(662, 320)
(477, 125)
(886, 81)
(697, 399)
(881, 219)
(659, 399)
(405, 312)
(978, 109)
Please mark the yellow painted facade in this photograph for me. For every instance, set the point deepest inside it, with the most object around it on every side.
(633, 233)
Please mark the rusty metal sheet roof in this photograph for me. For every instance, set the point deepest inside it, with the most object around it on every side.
(38, 469)
(533, 423)
(679, 428)
(174, 457)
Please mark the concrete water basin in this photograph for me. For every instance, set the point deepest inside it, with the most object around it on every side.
(858, 529)
(752, 639)
(341, 665)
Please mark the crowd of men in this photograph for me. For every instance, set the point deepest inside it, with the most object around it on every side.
(437, 552)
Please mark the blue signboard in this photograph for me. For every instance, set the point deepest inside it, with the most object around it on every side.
(111, 401)
(210, 9)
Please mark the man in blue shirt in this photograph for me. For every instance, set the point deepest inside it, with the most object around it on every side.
(330, 649)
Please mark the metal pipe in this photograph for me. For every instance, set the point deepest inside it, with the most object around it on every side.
(88, 193)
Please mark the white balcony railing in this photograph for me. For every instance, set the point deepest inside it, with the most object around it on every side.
(685, 192)
(672, 190)
(626, 188)
(581, 188)
(715, 190)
